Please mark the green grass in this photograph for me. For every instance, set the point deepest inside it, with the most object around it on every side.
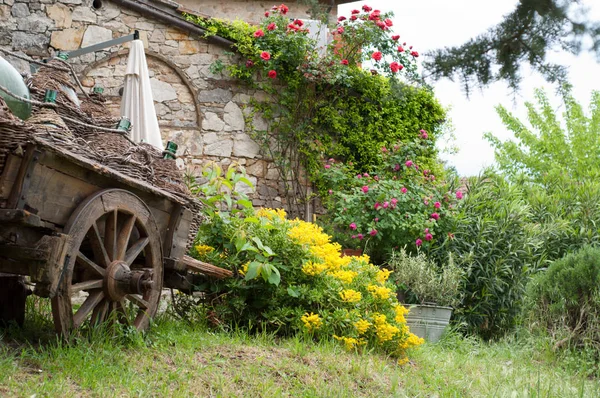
(180, 360)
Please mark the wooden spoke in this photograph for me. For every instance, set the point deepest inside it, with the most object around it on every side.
(88, 305)
(110, 235)
(124, 235)
(100, 254)
(101, 312)
(89, 264)
(138, 300)
(135, 250)
(87, 285)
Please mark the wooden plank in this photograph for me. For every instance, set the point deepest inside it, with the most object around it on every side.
(9, 175)
(20, 217)
(206, 268)
(22, 182)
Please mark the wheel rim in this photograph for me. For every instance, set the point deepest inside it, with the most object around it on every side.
(115, 268)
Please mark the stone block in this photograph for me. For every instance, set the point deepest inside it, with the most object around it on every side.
(217, 95)
(67, 39)
(257, 168)
(212, 122)
(60, 14)
(202, 59)
(243, 188)
(220, 148)
(34, 23)
(31, 44)
(96, 34)
(84, 14)
(244, 146)
(20, 10)
(176, 34)
(143, 25)
(162, 91)
(191, 47)
(157, 36)
(74, 2)
(234, 118)
(108, 12)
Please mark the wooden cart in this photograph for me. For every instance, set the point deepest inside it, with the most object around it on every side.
(98, 243)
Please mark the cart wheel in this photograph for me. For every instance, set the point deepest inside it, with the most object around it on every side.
(114, 272)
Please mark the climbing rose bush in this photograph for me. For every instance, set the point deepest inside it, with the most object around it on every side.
(320, 294)
(401, 204)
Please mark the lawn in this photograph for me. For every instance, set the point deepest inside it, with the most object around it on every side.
(181, 360)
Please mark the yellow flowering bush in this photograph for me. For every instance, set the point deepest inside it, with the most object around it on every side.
(319, 293)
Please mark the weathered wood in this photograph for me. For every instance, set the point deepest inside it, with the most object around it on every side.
(206, 268)
(126, 228)
(20, 217)
(13, 295)
(17, 197)
(9, 175)
(175, 241)
(110, 235)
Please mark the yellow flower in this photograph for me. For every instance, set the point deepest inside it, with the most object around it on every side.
(311, 321)
(306, 233)
(383, 275)
(271, 214)
(403, 361)
(344, 276)
(400, 311)
(362, 326)
(411, 341)
(350, 296)
(349, 342)
(312, 268)
(204, 249)
(244, 269)
(380, 292)
(384, 330)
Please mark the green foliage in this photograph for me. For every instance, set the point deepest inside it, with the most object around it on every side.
(403, 202)
(564, 301)
(570, 149)
(494, 243)
(326, 105)
(525, 36)
(421, 281)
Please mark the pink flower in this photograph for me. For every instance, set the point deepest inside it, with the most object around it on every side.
(331, 160)
(376, 56)
(377, 205)
(459, 195)
(249, 64)
(373, 232)
(409, 163)
(437, 205)
(426, 202)
(404, 190)
(271, 26)
(366, 175)
(435, 216)
(359, 176)
(376, 219)
(384, 149)
(396, 167)
(386, 205)
(426, 230)
(394, 201)
(327, 166)
(360, 236)
(418, 242)
(376, 178)
(365, 189)
(331, 191)
(352, 226)
(342, 18)
(396, 37)
(424, 134)
(353, 236)
(344, 62)
(428, 237)
(272, 74)
(265, 55)
(389, 22)
(340, 30)
(259, 33)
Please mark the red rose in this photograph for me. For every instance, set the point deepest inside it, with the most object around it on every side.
(342, 18)
(374, 16)
(381, 25)
(355, 12)
(395, 67)
(395, 37)
(414, 54)
(259, 33)
(353, 18)
(249, 64)
(267, 14)
(340, 30)
(389, 22)
(272, 74)
(366, 8)
(400, 49)
(344, 62)
(376, 55)
(298, 22)
(292, 27)
(283, 9)
(265, 55)
(271, 26)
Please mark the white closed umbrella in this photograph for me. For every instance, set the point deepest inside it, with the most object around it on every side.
(137, 103)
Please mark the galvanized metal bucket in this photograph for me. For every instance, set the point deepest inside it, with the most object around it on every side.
(428, 321)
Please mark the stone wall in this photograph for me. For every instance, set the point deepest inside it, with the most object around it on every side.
(198, 109)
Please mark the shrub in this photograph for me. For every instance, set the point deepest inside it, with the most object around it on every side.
(290, 278)
(402, 203)
(421, 281)
(564, 301)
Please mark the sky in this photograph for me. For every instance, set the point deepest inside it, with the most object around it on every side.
(431, 24)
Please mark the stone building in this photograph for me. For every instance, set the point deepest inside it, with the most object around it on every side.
(200, 110)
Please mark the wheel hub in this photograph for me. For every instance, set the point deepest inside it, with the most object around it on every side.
(120, 281)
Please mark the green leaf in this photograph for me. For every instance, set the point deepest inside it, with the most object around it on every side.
(293, 291)
(253, 269)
